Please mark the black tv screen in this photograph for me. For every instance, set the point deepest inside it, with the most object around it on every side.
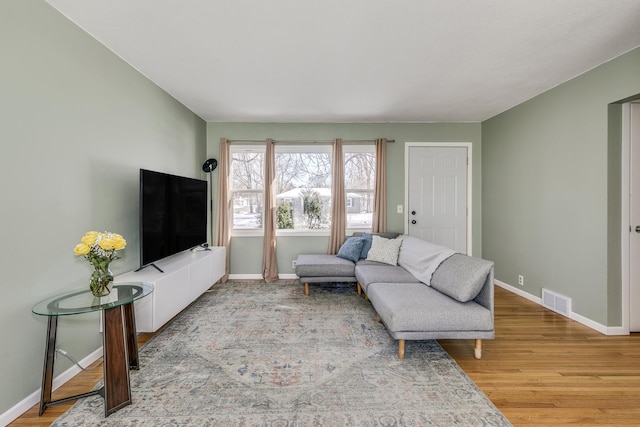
(173, 215)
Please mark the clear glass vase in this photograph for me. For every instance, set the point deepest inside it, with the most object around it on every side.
(101, 279)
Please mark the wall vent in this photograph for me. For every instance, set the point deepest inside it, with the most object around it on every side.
(556, 302)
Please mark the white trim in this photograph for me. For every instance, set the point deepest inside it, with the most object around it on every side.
(519, 292)
(34, 398)
(245, 277)
(306, 232)
(469, 147)
(625, 222)
(599, 327)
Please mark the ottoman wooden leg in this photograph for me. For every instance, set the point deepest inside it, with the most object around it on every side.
(359, 288)
(306, 288)
(400, 349)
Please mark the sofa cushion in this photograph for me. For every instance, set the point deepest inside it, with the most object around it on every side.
(384, 250)
(368, 272)
(461, 276)
(351, 248)
(421, 258)
(323, 265)
(368, 239)
(415, 307)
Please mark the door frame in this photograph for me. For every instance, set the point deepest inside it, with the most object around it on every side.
(469, 147)
(626, 217)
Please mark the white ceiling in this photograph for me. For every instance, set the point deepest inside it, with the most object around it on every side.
(358, 60)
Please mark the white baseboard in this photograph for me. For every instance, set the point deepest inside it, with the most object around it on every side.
(606, 330)
(245, 277)
(34, 398)
(519, 292)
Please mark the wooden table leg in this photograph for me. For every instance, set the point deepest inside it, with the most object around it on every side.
(117, 384)
(49, 358)
(132, 338)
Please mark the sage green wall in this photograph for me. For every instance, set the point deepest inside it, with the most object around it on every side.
(246, 252)
(77, 124)
(551, 190)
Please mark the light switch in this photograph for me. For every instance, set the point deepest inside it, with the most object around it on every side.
(399, 209)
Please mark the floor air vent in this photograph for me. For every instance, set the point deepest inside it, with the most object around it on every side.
(556, 302)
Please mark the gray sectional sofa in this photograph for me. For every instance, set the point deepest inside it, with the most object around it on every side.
(430, 293)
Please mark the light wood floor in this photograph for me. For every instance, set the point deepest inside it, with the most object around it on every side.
(542, 369)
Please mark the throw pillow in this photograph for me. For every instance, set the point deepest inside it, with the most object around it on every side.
(461, 277)
(384, 250)
(366, 246)
(351, 248)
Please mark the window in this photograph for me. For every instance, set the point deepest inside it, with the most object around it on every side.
(359, 180)
(303, 186)
(247, 186)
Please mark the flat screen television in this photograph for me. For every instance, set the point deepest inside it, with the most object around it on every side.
(173, 215)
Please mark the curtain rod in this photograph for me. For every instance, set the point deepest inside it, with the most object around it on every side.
(283, 141)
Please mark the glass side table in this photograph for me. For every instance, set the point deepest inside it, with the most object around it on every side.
(120, 343)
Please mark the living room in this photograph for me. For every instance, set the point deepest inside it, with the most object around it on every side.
(80, 122)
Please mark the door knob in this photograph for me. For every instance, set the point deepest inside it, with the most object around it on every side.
(413, 212)
(413, 221)
(637, 228)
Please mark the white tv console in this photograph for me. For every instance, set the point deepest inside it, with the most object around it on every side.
(186, 276)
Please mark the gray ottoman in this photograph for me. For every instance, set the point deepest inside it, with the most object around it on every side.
(323, 268)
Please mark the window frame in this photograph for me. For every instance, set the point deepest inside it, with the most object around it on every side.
(359, 148)
(292, 147)
(244, 148)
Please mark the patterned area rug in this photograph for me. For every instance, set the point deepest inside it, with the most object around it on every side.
(257, 354)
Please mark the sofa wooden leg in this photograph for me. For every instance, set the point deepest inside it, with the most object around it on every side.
(378, 319)
(306, 288)
(359, 288)
(400, 349)
(477, 351)
(366, 298)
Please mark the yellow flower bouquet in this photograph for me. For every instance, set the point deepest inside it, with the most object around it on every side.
(99, 248)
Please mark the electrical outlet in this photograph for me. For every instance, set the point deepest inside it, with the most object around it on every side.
(520, 280)
(293, 264)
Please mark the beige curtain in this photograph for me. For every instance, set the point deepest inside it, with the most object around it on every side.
(269, 261)
(338, 202)
(223, 223)
(380, 194)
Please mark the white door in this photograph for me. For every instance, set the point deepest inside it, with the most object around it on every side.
(437, 181)
(634, 219)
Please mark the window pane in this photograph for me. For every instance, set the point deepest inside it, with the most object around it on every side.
(359, 177)
(360, 211)
(247, 209)
(303, 187)
(359, 170)
(247, 170)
